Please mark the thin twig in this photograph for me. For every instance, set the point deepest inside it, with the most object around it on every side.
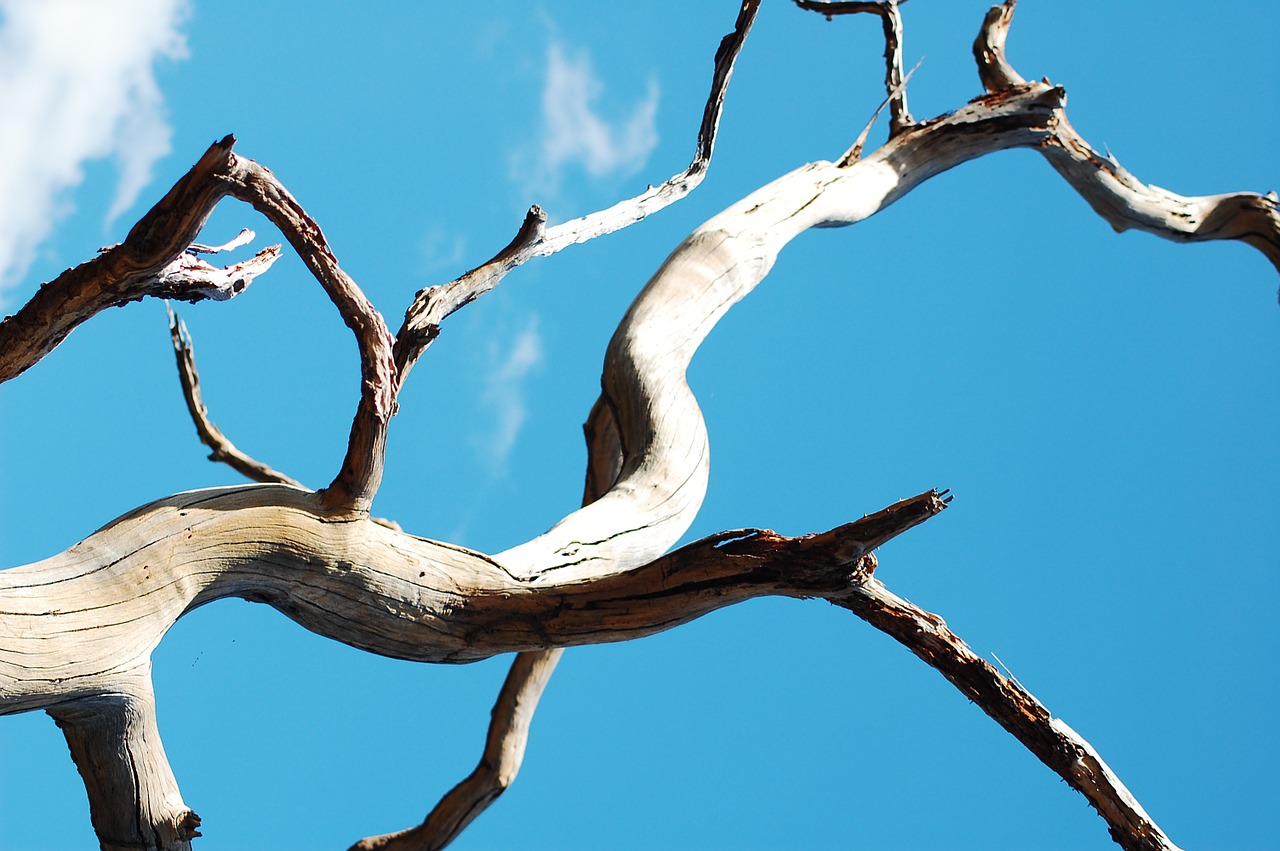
(222, 449)
(854, 153)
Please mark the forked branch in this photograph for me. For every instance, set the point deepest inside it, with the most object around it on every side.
(895, 80)
(81, 625)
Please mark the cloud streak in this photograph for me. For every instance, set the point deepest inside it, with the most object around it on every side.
(575, 134)
(505, 392)
(77, 84)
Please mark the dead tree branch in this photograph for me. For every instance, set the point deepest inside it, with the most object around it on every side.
(996, 73)
(895, 81)
(222, 449)
(422, 320)
(122, 273)
(503, 754)
(1013, 708)
(80, 626)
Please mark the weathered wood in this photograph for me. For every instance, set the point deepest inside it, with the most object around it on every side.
(79, 627)
(1013, 708)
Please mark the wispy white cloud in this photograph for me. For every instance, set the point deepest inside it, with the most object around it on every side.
(575, 134)
(77, 84)
(505, 392)
(441, 250)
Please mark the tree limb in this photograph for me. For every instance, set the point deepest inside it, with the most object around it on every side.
(360, 475)
(1013, 708)
(134, 800)
(422, 320)
(503, 753)
(895, 81)
(996, 73)
(81, 625)
(120, 274)
(517, 702)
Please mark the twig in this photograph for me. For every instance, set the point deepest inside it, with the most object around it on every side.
(223, 450)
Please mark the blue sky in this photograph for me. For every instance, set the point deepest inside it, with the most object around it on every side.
(1104, 408)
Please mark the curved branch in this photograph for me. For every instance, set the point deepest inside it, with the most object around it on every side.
(120, 274)
(895, 81)
(151, 261)
(358, 479)
(518, 700)
(1112, 191)
(223, 450)
(86, 618)
(994, 70)
(85, 621)
(503, 754)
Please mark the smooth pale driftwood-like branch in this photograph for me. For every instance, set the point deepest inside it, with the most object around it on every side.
(80, 626)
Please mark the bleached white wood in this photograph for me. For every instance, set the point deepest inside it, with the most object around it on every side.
(77, 629)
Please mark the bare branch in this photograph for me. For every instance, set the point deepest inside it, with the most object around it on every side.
(134, 800)
(223, 450)
(602, 574)
(431, 306)
(188, 278)
(1116, 195)
(996, 73)
(151, 261)
(120, 274)
(503, 754)
(1126, 202)
(1013, 708)
(518, 700)
(422, 320)
(375, 588)
(895, 81)
(361, 472)
(854, 153)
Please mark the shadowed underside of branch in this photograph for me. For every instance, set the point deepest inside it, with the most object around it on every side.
(80, 626)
